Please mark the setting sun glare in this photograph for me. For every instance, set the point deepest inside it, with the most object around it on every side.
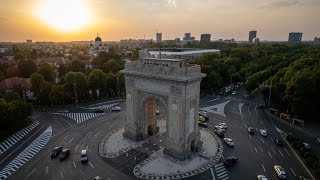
(64, 15)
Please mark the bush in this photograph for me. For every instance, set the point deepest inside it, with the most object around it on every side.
(316, 165)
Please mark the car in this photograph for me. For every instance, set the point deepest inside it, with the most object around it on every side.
(201, 118)
(219, 133)
(55, 151)
(220, 128)
(204, 114)
(224, 125)
(230, 161)
(99, 111)
(277, 141)
(280, 172)
(64, 154)
(262, 177)
(84, 156)
(251, 130)
(306, 145)
(318, 140)
(157, 112)
(263, 132)
(234, 93)
(117, 108)
(203, 124)
(97, 178)
(303, 178)
(229, 141)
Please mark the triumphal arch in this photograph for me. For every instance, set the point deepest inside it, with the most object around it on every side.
(174, 83)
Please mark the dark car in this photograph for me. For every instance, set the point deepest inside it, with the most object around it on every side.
(55, 151)
(277, 141)
(230, 161)
(99, 111)
(64, 154)
(203, 124)
(219, 133)
(250, 130)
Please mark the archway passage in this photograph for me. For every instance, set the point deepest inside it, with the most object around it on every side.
(150, 116)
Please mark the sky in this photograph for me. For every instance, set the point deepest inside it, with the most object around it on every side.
(47, 20)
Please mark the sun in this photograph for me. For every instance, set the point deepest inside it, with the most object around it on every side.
(64, 15)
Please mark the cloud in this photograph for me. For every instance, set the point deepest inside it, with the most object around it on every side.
(172, 3)
(280, 4)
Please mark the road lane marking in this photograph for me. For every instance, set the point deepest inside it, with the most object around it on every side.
(76, 147)
(287, 152)
(272, 140)
(262, 140)
(70, 141)
(261, 149)
(66, 137)
(281, 153)
(86, 128)
(269, 154)
(257, 129)
(263, 168)
(60, 124)
(67, 122)
(213, 178)
(249, 136)
(89, 132)
(274, 151)
(74, 164)
(246, 125)
(22, 144)
(240, 106)
(97, 134)
(91, 164)
(261, 122)
(47, 169)
(31, 172)
(256, 110)
(249, 110)
(256, 149)
(87, 148)
(61, 175)
(252, 121)
(293, 172)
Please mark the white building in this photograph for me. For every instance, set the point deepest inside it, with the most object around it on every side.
(97, 47)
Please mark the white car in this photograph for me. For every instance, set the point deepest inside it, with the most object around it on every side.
(117, 108)
(263, 132)
(280, 172)
(234, 93)
(224, 125)
(306, 145)
(203, 113)
(157, 111)
(262, 177)
(229, 141)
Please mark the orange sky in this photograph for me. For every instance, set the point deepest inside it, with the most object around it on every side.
(121, 19)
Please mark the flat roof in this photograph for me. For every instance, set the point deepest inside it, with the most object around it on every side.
(185, 52)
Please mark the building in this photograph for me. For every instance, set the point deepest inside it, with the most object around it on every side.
(256, 41)
(316, 41)
(159, 37)
(13, 83)
(252, 35)
(188, 38)
(97, 47)
(205, 38)
(186, 54)
(29, 41)
(295, 37)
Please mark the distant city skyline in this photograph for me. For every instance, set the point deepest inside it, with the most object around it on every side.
(73, 20)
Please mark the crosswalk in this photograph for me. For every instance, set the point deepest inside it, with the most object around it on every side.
(27, 154)
(103, 105)
(81, 117)
(221, 172)
(5, 145)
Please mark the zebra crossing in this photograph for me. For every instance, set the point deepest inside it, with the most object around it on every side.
(5, 145)
(26, 154)
(221, 172)
(104, 106)
(81, 117)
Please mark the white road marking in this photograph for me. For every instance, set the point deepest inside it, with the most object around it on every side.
(272, 140)
(256, 149)
(269, 154)
(252, 121)
(256, 110)
(74, 164)
(263, 168)
(273, 151)
(87, 148)
(86, 128)
(61, 175)
(262, 140)
(261, 122)
(257, 129)
(89, 132)
(70, 141)
(213, 178)
(60, 124)
(240, 106)
(287, 152)
(246, 125)
(31, 171)
(97, 134)
(47, 169)
(67, 122)
(91, 164)
(76, 147)
(66, 137)
(281, 153)
(249, 110)
(249, 136)
(293, 172)
(261, 149)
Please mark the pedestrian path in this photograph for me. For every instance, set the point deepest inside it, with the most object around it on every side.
(221, 172)
(81, 117)
(6, 144)
(26, 154)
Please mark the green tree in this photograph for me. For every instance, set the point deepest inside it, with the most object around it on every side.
(76, 83)
(26, 68)
(47, 71)
(37, 83)
(98, 81)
